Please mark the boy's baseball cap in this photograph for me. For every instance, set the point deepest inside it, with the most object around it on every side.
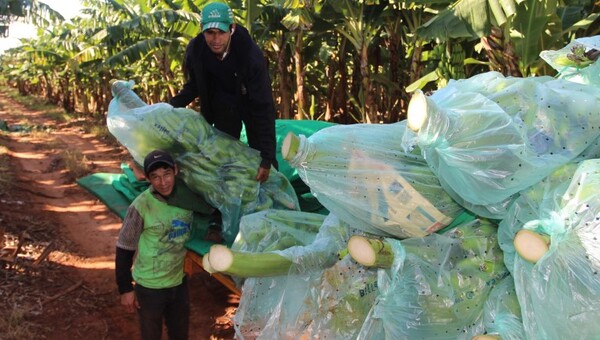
(155, 158)
(216, 15)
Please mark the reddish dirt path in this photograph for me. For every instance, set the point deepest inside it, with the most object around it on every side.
(46, 202)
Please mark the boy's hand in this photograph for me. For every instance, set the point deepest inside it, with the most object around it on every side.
(129, 301)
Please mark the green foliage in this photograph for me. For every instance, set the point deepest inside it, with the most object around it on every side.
(358, 59)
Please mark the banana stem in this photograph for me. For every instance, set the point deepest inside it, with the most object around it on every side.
(240, 264)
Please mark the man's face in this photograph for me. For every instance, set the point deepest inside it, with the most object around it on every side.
(163, 180)
(217, 40)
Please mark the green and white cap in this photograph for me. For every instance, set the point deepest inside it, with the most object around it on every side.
(216, 15)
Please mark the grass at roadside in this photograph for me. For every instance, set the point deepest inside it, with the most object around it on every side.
(6, 176)
(76, 163)
(14, 325)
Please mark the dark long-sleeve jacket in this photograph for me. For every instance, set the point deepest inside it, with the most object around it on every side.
(233, 91)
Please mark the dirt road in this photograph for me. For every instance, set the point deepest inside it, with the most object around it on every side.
(72, 294)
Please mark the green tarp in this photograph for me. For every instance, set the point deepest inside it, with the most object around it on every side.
(101, 186)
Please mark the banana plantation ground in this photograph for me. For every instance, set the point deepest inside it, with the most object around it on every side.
(71, 293)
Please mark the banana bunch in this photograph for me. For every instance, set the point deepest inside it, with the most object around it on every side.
(451, 62)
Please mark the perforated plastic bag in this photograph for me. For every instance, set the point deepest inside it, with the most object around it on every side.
(274, 229)
(213, 164)
(363, 175)
(322, 297)
(559, 294)
(437, 285)
(489, 137)
(307, 128)
(261, 232)
(502, 312)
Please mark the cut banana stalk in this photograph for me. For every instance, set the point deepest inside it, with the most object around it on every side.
(370, 252)
(290, 145)
(486, 337)
(530, 245)
(206, 265)
(417, 111)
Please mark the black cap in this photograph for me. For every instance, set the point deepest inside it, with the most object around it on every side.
(155, 158)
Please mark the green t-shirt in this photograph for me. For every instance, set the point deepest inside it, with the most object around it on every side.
(161, 251)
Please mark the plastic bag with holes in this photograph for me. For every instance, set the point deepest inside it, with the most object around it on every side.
(550, 241)
(576, 61)
(490, 136)
(502, 313)
(363, 175)
(321, 297)
(437, 285)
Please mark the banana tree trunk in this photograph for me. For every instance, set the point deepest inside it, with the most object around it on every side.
(162, 59)
(336, 90)
(66, 93)
(299, 63)
(285, 95)
(85, 102)
(367, 87)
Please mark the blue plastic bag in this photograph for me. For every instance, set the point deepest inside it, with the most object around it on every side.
(573, 64)
(502, 312)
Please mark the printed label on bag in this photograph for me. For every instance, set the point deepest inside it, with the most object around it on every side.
(398, 208)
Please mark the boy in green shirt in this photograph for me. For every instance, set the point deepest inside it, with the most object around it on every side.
(158, 232)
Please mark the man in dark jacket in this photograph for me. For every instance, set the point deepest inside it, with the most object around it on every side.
(228, 72)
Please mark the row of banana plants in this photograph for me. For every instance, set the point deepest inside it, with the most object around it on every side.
(345, 61)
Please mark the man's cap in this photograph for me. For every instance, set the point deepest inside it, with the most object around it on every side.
(156, 158)
(216, 15)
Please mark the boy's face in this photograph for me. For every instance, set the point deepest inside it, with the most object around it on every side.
(163, 180)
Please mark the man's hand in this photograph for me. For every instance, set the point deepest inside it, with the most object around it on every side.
(129, 301)
(263, 174)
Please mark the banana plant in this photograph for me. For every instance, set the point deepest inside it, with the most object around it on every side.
(274, 39)
(31, 11)
(519, 30)
(361, 25)
(299, 20)
(130, 41)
